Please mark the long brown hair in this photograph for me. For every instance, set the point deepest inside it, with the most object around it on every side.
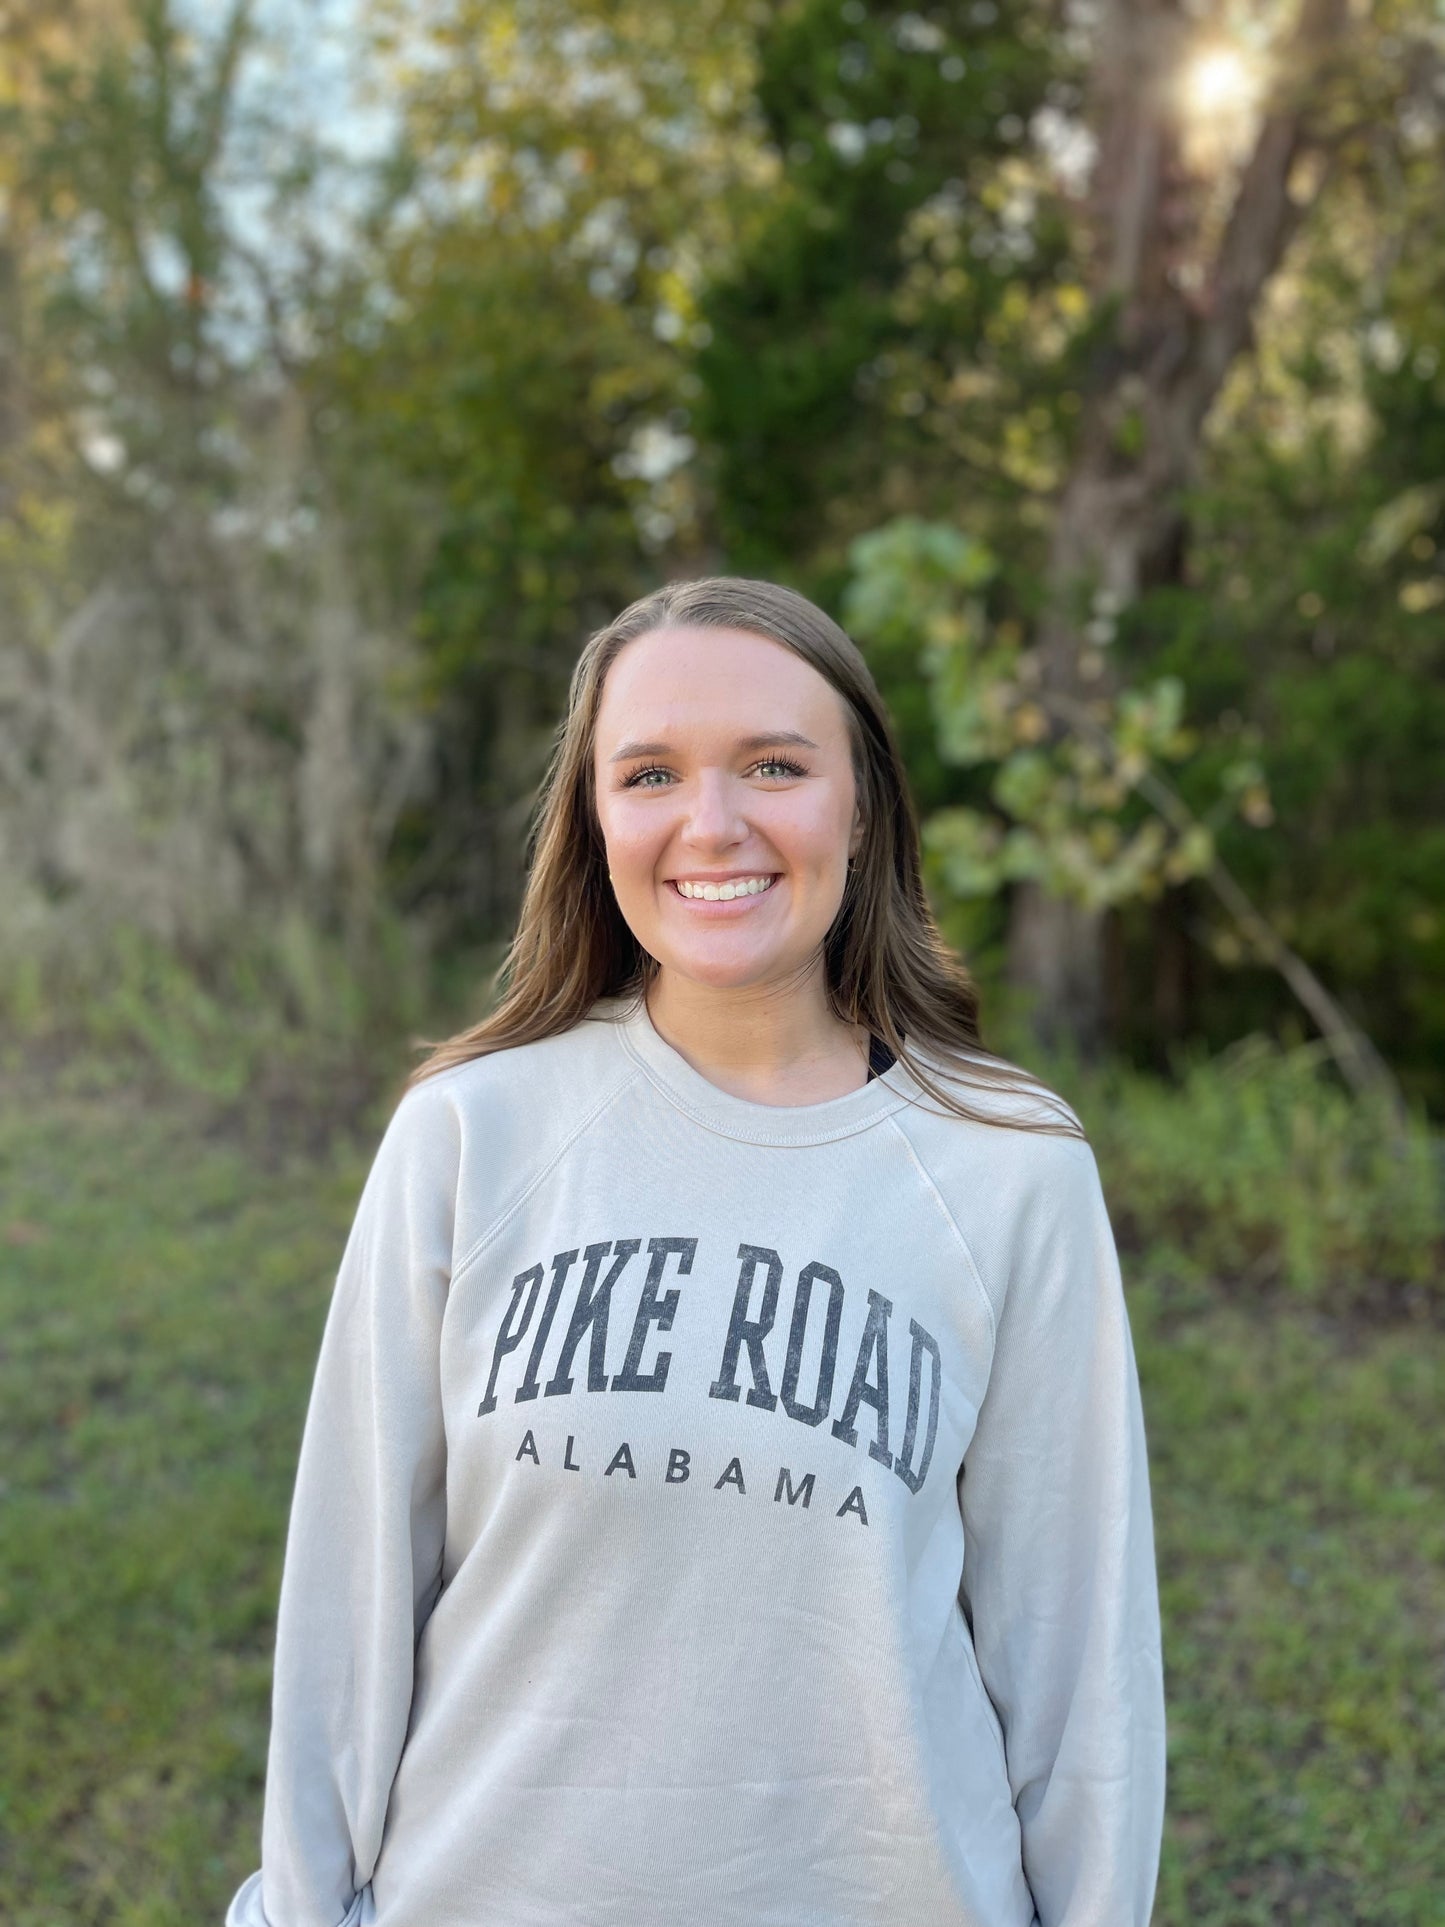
(888, 966)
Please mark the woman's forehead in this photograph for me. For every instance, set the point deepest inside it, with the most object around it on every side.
(728, 683)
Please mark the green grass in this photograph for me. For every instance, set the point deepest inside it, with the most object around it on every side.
(164, 1273)
(1300, 1516)
(162, 1293)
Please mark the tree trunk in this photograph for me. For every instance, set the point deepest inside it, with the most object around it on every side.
(1181, 321)
(1172, 1002)
(1056, 950)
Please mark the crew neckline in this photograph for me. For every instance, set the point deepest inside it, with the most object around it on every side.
(740, 1117)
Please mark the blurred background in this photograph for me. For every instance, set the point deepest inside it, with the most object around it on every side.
(357, 359)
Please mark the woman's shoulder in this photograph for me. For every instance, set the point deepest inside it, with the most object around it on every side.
(1014, 1147)
(999, 1102)
(1015, 1173)
(516, 1104)
(578, 1059)
(482, 1131)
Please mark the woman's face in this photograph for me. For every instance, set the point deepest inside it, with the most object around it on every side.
(723, 756)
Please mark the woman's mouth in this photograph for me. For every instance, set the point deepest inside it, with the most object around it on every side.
(739, 890)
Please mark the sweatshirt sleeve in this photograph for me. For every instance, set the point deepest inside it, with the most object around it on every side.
(364, 1545)
(1059, 1578)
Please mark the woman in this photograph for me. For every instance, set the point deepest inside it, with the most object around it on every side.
(723, 1500)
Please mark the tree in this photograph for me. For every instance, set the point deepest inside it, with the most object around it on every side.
(198, 760)
(1035, 348)
(869, 278)
(514, 351)
(1179, 285)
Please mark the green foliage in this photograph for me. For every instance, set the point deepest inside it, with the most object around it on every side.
(504, 371)
(516, 341)
(874, 273)
(647, 289)
(1064, 783)
(874, 354)
(1258, 1168)
(1309, 634)
(138, 300)
(285, 995)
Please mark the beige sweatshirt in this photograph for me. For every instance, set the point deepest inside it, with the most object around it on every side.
(715, 1514)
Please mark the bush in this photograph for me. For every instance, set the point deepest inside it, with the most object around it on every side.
(282, 998)
(1256, 1168)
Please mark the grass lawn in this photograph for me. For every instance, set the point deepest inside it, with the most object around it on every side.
(164, 1274)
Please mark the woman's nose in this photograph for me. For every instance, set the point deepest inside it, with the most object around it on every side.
(714, 814)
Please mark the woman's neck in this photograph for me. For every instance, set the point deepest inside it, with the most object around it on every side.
(770, 1044)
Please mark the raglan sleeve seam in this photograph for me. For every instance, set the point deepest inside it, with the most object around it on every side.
(975, 1272)
(479, 1244)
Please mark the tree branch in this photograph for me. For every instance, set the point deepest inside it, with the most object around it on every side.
(1362, 1066)
(1264, 216)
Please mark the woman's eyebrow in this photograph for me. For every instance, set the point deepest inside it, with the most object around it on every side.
(773, 740)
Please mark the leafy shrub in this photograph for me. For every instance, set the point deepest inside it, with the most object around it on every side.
(1257, 1168)
(281, 998)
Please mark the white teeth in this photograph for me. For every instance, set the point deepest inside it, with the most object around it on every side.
(725, 892)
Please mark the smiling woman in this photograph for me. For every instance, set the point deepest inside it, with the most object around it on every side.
(724, 1495)
(711, 725)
